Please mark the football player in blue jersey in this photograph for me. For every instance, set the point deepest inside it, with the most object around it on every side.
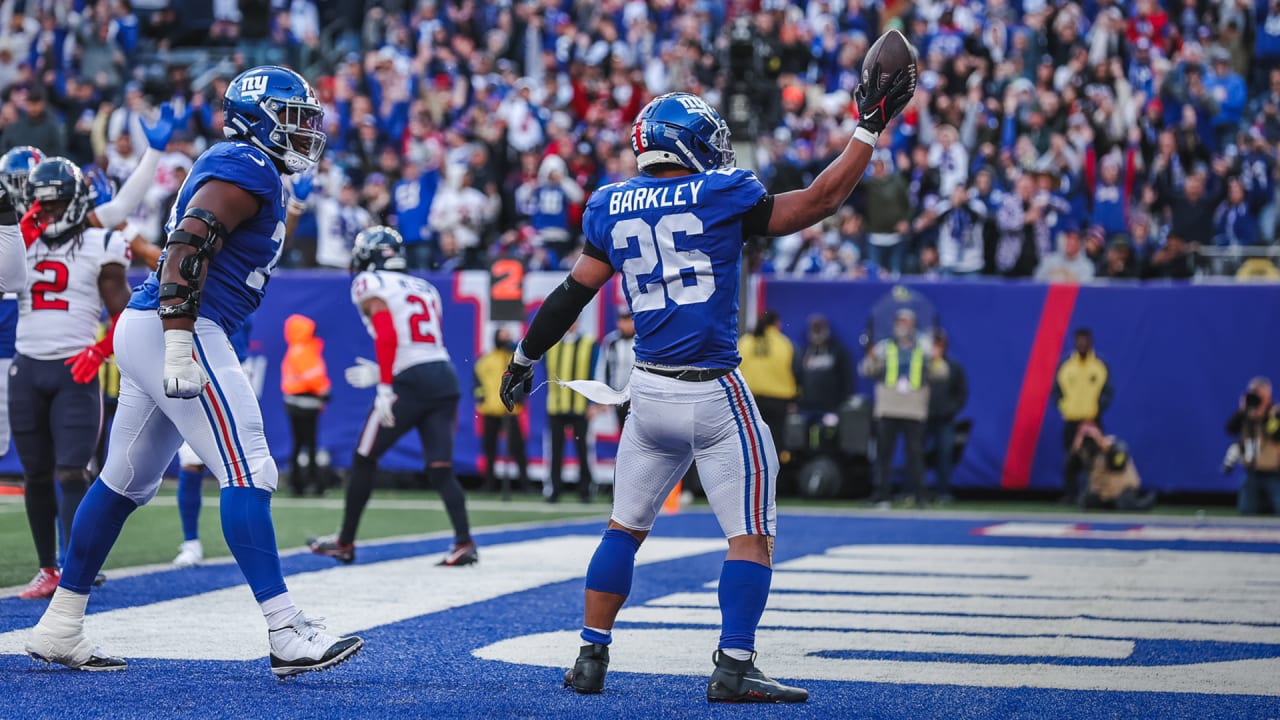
(181, 379)
(676, 233)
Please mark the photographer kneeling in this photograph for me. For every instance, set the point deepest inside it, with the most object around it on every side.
(1113, 479)
(1257, 424)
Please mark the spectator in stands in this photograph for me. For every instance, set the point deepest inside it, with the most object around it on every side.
(411, 199)
(961, 223)
(1193, 210)
(897, 365)
(1234, 224)
(768, 359)
(465, 212)
(1083, 392)
(127, 119)
(1175, 261)
(1022, 223)
(1069, 264)
(948, 394)
(1256, 426)
(1228, 92)
(888, 212)
(337, 223)
(571, 359)
(495, 419)
(1119, 261)
(35, 125)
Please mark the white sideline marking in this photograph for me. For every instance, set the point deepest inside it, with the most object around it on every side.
(965, 601)
(226, 624)
(1142, 533)
(788, 655)
(703, 609)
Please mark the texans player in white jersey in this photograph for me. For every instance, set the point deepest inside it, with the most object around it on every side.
(179, 377)
(417, 389)
(55, 406)
(676, 234)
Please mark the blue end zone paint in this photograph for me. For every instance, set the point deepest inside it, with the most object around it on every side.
(424, 667)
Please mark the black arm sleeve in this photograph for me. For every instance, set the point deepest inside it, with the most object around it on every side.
(557, 314)
(755, 223)
(596, 253)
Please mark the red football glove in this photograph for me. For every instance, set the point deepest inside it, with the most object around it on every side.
(30, 224)
(84, 367)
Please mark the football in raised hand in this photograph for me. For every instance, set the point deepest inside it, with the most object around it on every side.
(892, 52)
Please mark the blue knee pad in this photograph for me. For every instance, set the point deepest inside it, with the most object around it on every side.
(613, 563)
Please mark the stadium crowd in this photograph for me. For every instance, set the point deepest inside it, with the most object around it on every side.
(1060, 140)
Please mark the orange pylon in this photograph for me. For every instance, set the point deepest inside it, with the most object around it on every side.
(671, 505)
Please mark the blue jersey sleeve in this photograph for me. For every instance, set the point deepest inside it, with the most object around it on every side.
(740, 190)
(594, 217)
(242, 165)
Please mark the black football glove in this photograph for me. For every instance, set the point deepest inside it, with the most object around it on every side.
(517, 382)
(879, 101)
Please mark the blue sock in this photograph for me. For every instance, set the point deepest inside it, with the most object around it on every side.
(744, 590)
(610, 571)
(63, 540)
(189, 502)
(246, 524)
(97, 525)
(613, 563)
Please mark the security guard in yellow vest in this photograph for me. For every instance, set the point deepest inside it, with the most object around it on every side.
(572, 358)
(767, 359)
(495, 418)
(899, 366)
(1083, 393)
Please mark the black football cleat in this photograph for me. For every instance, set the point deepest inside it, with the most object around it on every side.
(460, 555)
(330, 546)
(587, 675)
(739, 681)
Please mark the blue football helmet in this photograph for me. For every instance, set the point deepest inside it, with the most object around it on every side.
(681, 129)
(15, 166)
(378, 248)
(64, 197)
(275, 109)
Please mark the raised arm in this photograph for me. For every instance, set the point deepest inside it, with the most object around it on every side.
(878, 103)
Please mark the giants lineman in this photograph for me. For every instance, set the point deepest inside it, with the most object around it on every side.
(417, 388)
(225, 237)
(675, 233)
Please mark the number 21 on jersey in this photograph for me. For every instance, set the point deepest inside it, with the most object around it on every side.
(686, 277)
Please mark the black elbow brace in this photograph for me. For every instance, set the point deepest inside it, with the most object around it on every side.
(557, 314)
(191, 266)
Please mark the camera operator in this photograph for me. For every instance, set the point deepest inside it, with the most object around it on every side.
(1113, 478)
(1257, 424)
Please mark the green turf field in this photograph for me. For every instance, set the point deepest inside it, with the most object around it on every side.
(154, 531)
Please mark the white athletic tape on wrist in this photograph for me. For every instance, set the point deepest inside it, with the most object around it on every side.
(864, 135)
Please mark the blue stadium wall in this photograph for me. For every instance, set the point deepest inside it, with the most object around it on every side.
(1179, 358)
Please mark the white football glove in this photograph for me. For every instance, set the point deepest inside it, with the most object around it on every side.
(183, 376)
(365, 373)
(383, 404)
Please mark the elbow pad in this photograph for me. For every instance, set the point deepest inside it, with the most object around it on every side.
(191, 266)
(557, 314)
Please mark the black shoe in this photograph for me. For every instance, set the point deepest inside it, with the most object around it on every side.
(740, 681)
(587, 675)
(331, 546)
(461, 554)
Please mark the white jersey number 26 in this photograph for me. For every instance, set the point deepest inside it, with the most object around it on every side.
(658, 242)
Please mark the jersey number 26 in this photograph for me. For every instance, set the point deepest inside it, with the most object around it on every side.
(686, 274)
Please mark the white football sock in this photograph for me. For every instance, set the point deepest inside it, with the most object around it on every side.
(278, 611)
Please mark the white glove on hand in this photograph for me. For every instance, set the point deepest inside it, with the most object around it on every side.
(365, 373)
(382, 406)
(183, 376)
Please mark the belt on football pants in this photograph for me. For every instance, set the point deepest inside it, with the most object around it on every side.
(687, 375)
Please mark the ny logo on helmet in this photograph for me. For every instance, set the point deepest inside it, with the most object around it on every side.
(698, 106)
(252, 87)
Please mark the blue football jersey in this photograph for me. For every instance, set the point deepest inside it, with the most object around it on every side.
(8, 330)
(238, 273)
(678, 243)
